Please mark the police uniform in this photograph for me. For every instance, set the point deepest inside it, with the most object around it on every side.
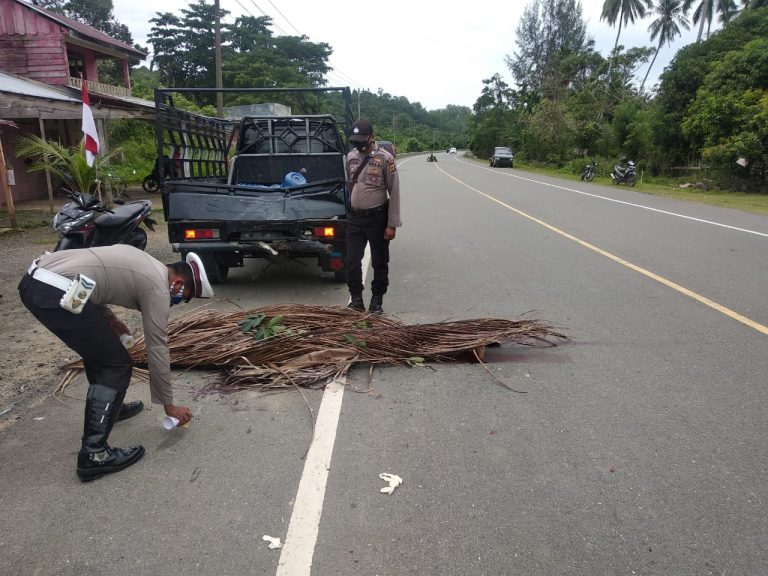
(374, 206)
(124, 276)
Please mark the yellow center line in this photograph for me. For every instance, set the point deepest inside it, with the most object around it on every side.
(690, 293)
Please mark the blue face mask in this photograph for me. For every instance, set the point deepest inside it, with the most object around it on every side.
(177, 298)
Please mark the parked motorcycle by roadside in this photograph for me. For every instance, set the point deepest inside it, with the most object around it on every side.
(86, 222)
(588, 172)
(171, 166)
(625, 174)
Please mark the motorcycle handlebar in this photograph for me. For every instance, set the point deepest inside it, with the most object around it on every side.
(86, 201)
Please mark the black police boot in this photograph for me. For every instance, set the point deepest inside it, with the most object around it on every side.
(96, 457)
(356, 303)
(376, 302)
(129, 410)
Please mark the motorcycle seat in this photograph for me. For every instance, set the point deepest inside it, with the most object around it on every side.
(120, 214)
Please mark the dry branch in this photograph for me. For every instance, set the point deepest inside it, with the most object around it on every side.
(321, 342)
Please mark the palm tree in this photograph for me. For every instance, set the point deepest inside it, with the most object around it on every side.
(67, 164)
(623, 11)
(666, 27)
(705, 10)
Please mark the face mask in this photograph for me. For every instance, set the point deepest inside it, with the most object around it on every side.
(361, 146)
(178, 297)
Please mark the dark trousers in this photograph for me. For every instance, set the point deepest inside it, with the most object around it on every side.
(106, 360)
(362, 230)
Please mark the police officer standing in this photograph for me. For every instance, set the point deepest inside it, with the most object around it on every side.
(374, 214)
(68, 292)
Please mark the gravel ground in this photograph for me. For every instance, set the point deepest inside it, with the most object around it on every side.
(32, 358)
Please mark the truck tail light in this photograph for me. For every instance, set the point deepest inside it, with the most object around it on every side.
(325, 232)
(201, 234)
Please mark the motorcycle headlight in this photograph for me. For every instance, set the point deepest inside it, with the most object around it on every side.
(64, 224)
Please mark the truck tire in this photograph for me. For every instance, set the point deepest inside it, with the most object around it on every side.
(340, 276)
(216, 271)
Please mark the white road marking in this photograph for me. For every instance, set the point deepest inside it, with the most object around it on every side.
(668, 213)
(301, 538)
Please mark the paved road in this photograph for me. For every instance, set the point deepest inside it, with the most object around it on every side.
(638, 448)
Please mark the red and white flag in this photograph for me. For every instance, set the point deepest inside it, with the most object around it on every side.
(89, 129)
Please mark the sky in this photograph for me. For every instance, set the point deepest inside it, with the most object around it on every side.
(434, 53)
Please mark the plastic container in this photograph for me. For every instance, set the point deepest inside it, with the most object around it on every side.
(169, 422)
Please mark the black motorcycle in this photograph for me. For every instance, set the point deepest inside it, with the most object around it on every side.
(588, 172)
(86, 222)
(624, 174)
(152, 181)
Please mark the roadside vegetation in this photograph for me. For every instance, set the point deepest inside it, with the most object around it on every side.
(660, 185)
(704, 123)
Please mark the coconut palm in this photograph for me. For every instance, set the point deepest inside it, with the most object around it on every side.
(68, 164)
(671, 16)
(623, 11)
(705, 11)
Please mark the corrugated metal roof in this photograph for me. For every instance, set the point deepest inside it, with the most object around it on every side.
(16, 85)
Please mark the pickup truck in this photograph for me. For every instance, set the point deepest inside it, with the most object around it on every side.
(256, 186)
(502, 156)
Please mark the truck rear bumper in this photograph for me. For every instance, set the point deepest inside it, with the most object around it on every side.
(304, 247)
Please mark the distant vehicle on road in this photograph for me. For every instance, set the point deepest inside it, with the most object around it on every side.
(452, 151)
(502, 156)
(388, 146)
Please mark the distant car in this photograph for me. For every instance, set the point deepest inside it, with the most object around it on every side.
(502, 156)
(452, 151)
(388, 146)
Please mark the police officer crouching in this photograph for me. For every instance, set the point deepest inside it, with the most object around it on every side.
(374, 214)
(68, 292)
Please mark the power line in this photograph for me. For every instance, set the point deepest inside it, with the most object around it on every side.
(336, 72)
(285, 17)
(270, 17)
(245, 9)
(340, 73)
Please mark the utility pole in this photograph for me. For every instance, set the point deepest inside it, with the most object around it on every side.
(358, 103)
(217, 42)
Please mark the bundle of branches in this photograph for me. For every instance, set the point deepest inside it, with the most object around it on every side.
(286, 345)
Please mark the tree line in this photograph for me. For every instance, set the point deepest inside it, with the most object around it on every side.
(710, 107)
(568, 103)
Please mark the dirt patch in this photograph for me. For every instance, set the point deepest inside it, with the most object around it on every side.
(32, 358)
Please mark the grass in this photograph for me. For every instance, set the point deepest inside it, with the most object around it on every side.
(670, 188)
(25, 219)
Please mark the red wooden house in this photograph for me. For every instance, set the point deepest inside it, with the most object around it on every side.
(44, 58)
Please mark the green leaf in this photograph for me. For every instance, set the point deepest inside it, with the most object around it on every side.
(251, 322)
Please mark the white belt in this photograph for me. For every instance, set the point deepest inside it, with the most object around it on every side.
(48, 277)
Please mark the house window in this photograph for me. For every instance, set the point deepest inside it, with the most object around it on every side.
(76, 66)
